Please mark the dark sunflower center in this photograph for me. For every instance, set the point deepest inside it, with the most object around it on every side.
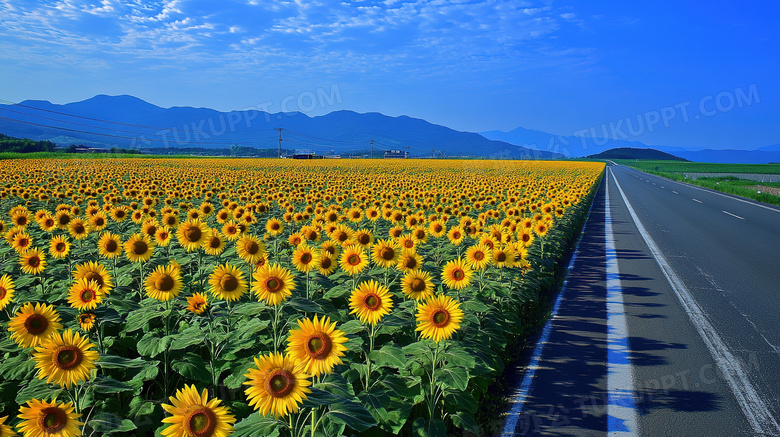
(87, 295)
(21, 221)
(306, 258)
(418, 285)
(36, 324)
(440, 318)
(151, 230)
(193, 234)
(372, 302)
(408, 244)
(119, 213)
(296, 241)
(411, 263)
(34, 261)
(479, 256)
(49, 222)
(526, 237)
(280, 383)
(68, 357)
(2, 293)
(99, 221)
(331, 250)
(231, 230)
(139, 247)
(500, 257)
(52, 419)
(79, 228)
(23, 242)
(458, 274)
(325, 262)
(201, 422)
(64, 220)
(437, 228)
(387, 253)
(170, 221)
(275, 226)
(353, 259)
(273, 284)
(228, 282)
(412, 221)
(252, 248)
(94, 276)
(342, 236)
(319, 346)
(364, 239)
(419, 235)
(165, 283)
(214, 242)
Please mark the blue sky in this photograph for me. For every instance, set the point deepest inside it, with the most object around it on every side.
(470, 65)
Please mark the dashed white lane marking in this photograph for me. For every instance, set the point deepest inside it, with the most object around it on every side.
(675, 192)
(734, 215)
(753, 406)
(697, 200)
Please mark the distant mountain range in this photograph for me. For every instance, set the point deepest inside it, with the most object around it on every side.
(632, 153)
(575, 146)
(126, 121)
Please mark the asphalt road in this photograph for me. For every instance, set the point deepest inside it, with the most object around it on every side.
(703, 342)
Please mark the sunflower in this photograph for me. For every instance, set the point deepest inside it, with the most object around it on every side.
(385, 253)
(47, 223)
(277, 386)
(304, 258)
(110, 245)
(86, 321)
(5, 430)
(33, 261)
(406, 242)
(170, 219)
(395, 231)
(138, 248)
(504, 257)
(94, 271)
(541, 228)
(197, 303)
(249, 248)
(274, 227)
(118, 213)
(78, 228)
(21, 242)
(417, 284)
(364, 238)
(149, 227)
(409, 260)
(525, 236)
(317, 344)
(273, 284)
(479, 256)
(63, 218)
(21, 218)
(341, 234)
(34, 324)
(85, 294)
(331, 248)
(310, 233)
(49, 419)
(419, 235)
(164, 283)
(7, 290)
(65, 359)
(191, 234)
(488, 240)
(456, 274)
(10, 234)
(227, 283)
(231, 230)
(214, 244)
(438, 318)
(194, 415)
(437, 228)
(353, 260)
(325, 263)
(295, 239)
(370, 301)
(162, 237)
(98, 222)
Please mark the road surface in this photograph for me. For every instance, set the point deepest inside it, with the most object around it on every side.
(673, 298)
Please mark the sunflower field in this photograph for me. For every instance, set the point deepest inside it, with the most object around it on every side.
(216, 297)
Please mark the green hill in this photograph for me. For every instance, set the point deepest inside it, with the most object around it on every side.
(632, 153)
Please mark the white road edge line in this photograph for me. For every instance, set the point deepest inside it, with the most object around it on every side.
(621, 410)
(734, 215)
(522, 392)
(697, 200)
(675, 192)
(753, 406)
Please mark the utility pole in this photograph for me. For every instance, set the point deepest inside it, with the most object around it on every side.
(279, 153)
(372, 149)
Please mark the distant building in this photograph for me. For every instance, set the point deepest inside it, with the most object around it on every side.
(307, 156)
(396, 154)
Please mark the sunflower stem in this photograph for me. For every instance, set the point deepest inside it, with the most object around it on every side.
(432, 399)
(141, 285)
